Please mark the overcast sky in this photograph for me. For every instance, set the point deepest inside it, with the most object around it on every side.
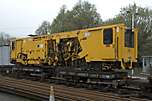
(22, 17)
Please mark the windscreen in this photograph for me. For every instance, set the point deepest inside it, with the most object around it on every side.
(129, 38)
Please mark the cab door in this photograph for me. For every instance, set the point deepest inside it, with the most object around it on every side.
(128, 44)
(109, 43)
(129, 48)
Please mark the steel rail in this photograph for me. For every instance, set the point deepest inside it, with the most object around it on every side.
(61, 92)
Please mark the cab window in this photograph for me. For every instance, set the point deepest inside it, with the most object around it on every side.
(129, 38)
(108, 36)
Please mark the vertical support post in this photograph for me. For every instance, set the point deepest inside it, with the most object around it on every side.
(150, 65)
(143, 64)
(132, 72)
(51, 94)
(133, 21)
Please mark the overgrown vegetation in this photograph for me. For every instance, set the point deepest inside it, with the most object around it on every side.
(83, 15)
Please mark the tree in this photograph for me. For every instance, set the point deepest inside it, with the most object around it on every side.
(4, 38)
(83, 15)
(59, 23)
(44, 28)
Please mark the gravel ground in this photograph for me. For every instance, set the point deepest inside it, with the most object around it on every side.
(9, 97)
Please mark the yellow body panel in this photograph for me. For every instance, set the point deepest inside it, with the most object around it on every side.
(91, 43)
(95, 50)
(34, 48)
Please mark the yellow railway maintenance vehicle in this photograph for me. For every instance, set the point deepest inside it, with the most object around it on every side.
(88, 54)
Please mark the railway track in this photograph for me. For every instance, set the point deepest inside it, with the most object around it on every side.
(41, 91)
